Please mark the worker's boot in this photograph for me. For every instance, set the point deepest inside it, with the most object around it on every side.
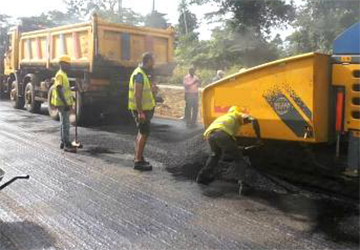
(205, 177)
(62, 145)
(142, 166)
(69, 148)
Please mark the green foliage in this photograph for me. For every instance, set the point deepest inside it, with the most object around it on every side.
(46, 20)
(225, 49)
(243, 39)
(156, 20)
(206, 75)
(318, 23)
(4, 25)
(188, 22)
(259, 16)
(106, 9)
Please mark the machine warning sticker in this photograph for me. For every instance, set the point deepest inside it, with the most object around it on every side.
(287, 112)
(281, 105)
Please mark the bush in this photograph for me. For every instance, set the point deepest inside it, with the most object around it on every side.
(206, 75)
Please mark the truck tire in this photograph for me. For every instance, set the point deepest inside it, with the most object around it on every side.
(53, 111)
(18, 102)
(84, 116)
(31, 104)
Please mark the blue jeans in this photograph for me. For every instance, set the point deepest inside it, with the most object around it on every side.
(65, 126)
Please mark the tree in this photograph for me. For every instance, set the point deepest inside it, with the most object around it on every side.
(106, 9)
(35, 22)
(156, 20)
(188, 22)
(258, 16)
(318, 23)
(4, 25)
(244, 38)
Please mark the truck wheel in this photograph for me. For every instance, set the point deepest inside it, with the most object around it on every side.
(84, 116)
(53, 111)
(30, 103)
(18, 102)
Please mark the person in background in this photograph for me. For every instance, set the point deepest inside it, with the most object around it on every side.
(191, 85)
(142, 105)
(221, 138)
(62, 98)
(219, 75)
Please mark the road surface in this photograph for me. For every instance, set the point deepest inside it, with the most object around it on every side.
(95, 200)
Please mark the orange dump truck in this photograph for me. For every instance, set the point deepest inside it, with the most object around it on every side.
(103, 56)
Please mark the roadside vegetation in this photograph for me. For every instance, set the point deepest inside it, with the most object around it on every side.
(247, 33)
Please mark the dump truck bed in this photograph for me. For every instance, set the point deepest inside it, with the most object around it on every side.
(96, 43)
(289, 97)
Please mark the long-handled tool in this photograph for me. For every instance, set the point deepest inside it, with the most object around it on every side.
(2, 173)
(76, 143)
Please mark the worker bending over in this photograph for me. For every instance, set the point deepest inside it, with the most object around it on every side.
(62, 99)
(221, 137)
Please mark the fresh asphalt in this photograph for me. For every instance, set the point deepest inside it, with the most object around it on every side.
(95, 200)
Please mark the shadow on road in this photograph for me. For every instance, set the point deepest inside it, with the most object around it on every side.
(336, 219)
(24, 236)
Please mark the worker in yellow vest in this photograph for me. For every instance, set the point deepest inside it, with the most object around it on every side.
(141, 105)
(221, 137)
(62, 98)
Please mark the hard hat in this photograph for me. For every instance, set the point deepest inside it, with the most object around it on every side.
(65, 59)
(238, 112)
(235, 109)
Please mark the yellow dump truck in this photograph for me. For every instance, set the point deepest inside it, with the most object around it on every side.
(311, 100)
(103, 55)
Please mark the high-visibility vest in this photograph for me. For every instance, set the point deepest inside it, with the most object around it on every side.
(148, 101)
(61, 79)
(229, 123)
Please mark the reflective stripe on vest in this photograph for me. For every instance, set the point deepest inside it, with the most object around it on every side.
(228, 123)
(61, 79)
(148, 101)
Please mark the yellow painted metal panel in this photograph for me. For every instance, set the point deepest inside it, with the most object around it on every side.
(63, 42)
(69, 45)
(106, 36)
(137, 45)
(11, 55)
(282, 95)
(344, 75)
(161, 50)
(44, 48)
(84, 41)
(110, 45)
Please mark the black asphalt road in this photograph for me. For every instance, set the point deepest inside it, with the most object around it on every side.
(95, 200)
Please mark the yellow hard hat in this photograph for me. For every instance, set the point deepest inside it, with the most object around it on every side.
(238, 111)
(65, 59)
(235, 109)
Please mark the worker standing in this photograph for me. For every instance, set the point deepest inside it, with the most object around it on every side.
(141, 105)
(221, 137)
(62, 99)
(191, 85)
(219, 75)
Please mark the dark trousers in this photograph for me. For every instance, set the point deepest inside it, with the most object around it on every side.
(191, 108)
(221, 142)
